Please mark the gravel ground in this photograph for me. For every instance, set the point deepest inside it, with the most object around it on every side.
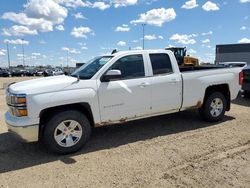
(176, 150)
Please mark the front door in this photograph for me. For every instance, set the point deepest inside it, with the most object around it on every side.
(128, 97)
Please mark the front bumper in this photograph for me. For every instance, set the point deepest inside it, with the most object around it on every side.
(28, 133)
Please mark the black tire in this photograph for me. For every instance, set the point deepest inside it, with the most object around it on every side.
(205, 111)
(50, 128)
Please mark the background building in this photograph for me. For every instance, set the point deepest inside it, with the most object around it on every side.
(233, 52)
(79, 65)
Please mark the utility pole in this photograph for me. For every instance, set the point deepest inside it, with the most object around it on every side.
(8, 54)
(23, 53)
(143, 34)
(67, 58)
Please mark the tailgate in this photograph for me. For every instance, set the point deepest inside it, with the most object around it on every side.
(246, 74)
(246, 79)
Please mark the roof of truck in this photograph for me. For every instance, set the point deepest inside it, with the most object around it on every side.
(139, 51)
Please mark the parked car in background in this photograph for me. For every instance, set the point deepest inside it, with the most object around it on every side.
(57, 72)
(24, 72)
(246, 81)
(16, 73)
(31, 72)
(47, 72)
(39, 73)
(53, 72)
(4, 73)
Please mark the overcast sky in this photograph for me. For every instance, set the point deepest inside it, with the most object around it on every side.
(51, 29)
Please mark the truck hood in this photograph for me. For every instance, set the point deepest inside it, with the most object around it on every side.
(43, 85)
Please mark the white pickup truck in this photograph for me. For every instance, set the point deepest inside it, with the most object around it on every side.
(61, 110)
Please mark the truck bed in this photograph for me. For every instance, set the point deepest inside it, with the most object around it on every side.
(197, 79)
(208, 67)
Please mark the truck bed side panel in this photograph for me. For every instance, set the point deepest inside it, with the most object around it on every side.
(196, 82)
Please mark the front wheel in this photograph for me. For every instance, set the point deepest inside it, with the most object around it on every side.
(214, 107)
(66, 132)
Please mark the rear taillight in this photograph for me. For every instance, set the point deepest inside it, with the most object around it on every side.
(241, 77)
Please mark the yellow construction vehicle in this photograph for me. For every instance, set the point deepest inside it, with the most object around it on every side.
(183, 59)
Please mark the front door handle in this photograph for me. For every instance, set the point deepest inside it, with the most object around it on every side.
(173, 81)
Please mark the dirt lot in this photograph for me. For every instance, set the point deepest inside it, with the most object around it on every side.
(177, 150)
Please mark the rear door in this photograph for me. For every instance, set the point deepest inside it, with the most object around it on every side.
(128, 97)
(166, 85)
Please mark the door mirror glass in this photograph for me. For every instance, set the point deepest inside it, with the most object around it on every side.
(112, 75)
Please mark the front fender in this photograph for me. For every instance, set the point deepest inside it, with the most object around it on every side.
(38, 102)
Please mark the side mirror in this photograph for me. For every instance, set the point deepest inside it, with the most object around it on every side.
(112, 75)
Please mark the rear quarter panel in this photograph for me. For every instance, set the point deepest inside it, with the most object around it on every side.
(196, 82)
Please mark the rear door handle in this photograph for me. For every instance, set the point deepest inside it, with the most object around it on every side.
(143, 84)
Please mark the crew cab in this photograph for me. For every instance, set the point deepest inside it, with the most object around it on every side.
(60, 111)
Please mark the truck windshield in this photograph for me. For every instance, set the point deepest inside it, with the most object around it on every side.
(88, 70)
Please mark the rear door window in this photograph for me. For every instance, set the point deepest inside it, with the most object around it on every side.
(161, 63)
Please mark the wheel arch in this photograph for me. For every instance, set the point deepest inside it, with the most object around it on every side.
(222, 88)
(48, 113)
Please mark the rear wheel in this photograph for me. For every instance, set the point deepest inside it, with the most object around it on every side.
(214, 107)
(66, 132)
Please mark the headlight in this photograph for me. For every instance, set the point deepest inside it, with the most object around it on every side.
(16, 99)
(17, 104)
(18, 111)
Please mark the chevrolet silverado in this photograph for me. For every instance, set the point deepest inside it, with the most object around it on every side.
(60, 111)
